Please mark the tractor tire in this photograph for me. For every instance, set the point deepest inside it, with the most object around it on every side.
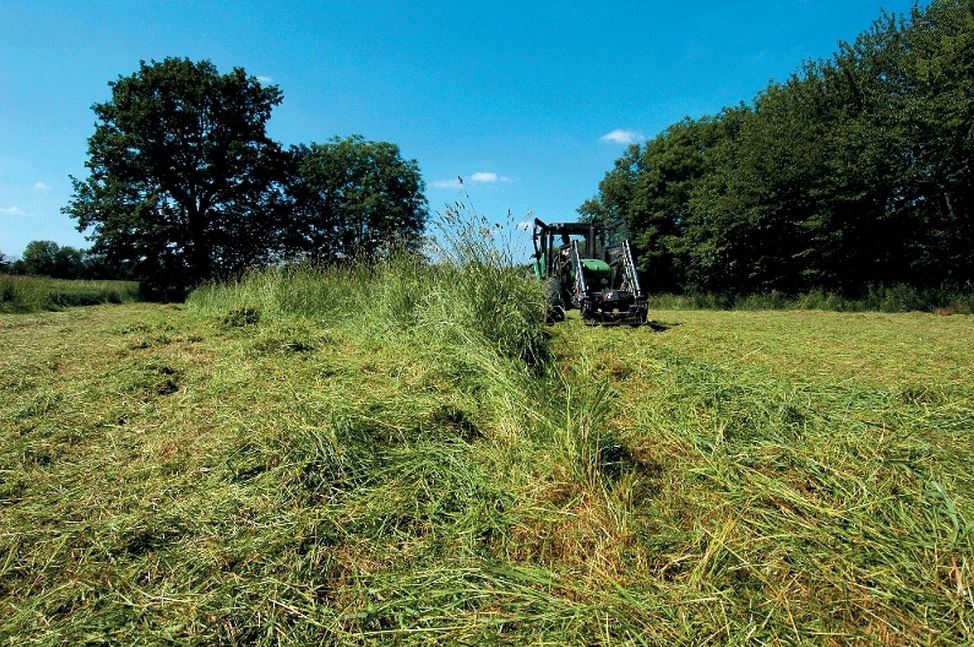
(554, 305)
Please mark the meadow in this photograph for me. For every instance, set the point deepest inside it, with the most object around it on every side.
(38, 293)
(409, 455)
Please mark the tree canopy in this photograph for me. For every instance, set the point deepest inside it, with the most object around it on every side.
(353, 197)
(182, 174)
(185, 185)
(857, 170)
(47, 258)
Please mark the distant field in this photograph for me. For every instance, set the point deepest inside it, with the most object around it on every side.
(37, 293)
(236, 471)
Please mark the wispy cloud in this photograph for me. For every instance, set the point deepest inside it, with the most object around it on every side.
(622, 136)
(455, 183)
(264, 79)
(489, 177)
(479, 177)
(42, 186)
(12, 211)
(484, 176)
(525, 225)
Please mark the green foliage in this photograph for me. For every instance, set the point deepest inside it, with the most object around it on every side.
(47, 258)
(185, 185)
(183, 178)
(40, 257)
(352, 197)
(856, 171)
(36, 293)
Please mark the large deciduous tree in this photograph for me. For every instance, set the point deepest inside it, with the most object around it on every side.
(183, 180)
(352, 197)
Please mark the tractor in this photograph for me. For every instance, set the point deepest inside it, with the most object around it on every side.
(579, 271)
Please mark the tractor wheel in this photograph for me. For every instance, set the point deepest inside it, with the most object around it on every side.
(554, 305)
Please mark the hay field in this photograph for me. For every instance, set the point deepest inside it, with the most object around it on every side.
(367, 458)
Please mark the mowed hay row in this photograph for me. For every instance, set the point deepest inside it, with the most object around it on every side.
(362, 456)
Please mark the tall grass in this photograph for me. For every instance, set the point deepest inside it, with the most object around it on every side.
(470, 300)
(37, 293)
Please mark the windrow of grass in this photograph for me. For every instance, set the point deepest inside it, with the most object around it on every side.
(486, 496)
(404, 453)
(438, 311)
(39, 293)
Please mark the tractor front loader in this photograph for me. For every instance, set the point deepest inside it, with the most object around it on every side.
(579, 271)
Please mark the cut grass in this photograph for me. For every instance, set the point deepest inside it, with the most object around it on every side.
(876, 298)
(361, 457)
(38, 293)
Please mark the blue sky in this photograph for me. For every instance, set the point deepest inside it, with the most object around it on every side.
(529, 102)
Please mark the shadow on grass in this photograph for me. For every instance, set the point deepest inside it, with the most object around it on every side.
(662, 326)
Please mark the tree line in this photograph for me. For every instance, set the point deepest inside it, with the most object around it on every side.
(184, 184)
(858, 170)
(47, 258)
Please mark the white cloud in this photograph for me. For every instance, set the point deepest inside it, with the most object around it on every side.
(484, 176)
(480, 177)
(525, 225)
(12, 211)
(42, 186)
(622, 136)
(265, 79)
(489, 177)
(448, 184)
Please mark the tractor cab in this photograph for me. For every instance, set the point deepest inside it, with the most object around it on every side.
(580, 271)
(555, 244)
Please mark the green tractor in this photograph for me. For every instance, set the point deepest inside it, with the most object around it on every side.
(579, 271)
